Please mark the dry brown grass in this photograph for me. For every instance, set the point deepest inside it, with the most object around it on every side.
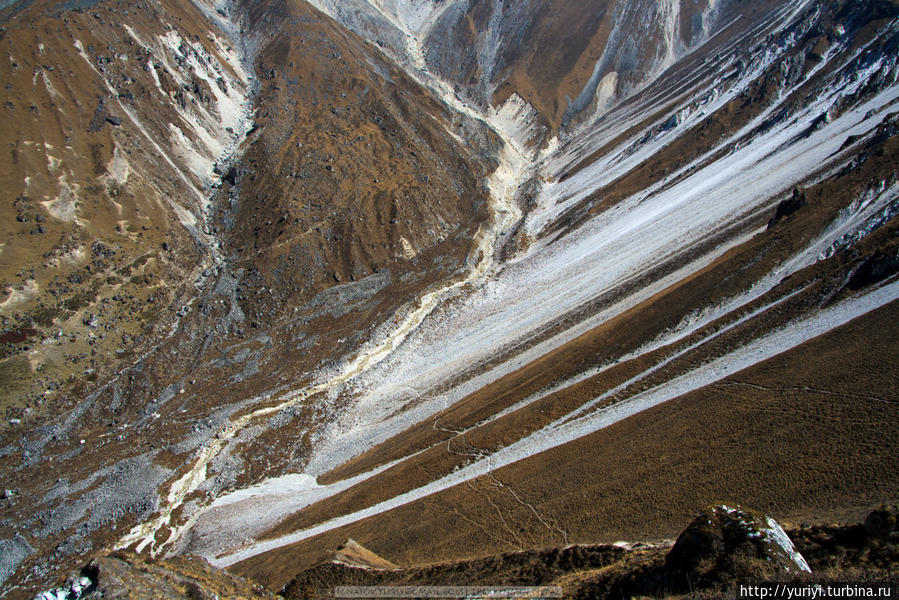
(822, 446)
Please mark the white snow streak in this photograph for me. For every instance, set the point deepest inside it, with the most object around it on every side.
(561, 432)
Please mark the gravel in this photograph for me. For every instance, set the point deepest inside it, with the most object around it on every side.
(12, 553)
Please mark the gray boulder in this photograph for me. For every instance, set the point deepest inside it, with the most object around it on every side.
(726, 542)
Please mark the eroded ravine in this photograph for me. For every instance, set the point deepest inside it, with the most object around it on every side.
(515, 166)
(503, 214)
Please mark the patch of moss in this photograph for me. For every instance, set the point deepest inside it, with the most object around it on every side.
(46, 315)
(78, 300)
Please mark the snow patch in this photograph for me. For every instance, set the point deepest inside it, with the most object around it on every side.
(776, 534)
(408, 252)
(20, 294)
(63, 207)
(518, 122)
(286, 485)
(50, 88)
(118, 168)
(605, 92)
(155, 76)
(200, 165)
(215, 132)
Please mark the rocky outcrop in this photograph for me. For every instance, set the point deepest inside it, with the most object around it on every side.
(882, 265)
(724, 541)
(555, 55)
(354, 554)
(840, 550)
(883, 523)
(526, 568)
(788, 207)
(721, 546)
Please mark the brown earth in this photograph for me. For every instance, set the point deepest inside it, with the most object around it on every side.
(353, 198)
(96, 280)
(747, 440)
(353, 173)
(342, 210)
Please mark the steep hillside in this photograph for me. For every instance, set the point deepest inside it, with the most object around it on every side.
(211, 241)
(451, 278)
(719, 550)
(114, 121)
(732, 210)
(561, 57)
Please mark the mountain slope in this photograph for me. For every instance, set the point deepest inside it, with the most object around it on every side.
(449, 278)
(700, 261)
(282, 270)
(112, 137)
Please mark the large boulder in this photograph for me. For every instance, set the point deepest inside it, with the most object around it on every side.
(882, 523)
(724, 543)
(126, 576)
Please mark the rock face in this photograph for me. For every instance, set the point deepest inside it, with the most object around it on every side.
(877, 268)
(724, 541)
(353, 554)
(869, 546)
(788, 206)
(555, 55)
(78, 585)
(883, 523)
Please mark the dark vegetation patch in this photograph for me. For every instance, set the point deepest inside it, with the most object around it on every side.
(17, 336)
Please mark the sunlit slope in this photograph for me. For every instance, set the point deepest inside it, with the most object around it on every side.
(114, 121)
(452, 292)
(735, 208)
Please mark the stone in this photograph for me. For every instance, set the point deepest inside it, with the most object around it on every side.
(881, 522)
(724, 542)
